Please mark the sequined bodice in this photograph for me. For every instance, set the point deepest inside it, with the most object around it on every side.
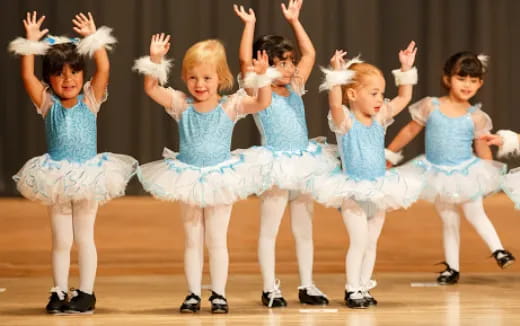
(282, 124)
(362, 150)
(205, 138)
(449, 140)
(71, 133)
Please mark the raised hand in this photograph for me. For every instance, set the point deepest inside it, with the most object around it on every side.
(492, 139)
(261, 63)
(337, 61)
(159, 46)
(33, 25)
(292, 11)
(84, 25)
(246, 16)
(407, 56)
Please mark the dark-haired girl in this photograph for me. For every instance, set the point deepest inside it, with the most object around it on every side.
(295, 159)
(71, 178)
(458, 163)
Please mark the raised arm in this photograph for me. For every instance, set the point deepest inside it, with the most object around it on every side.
(85, 26)
(31, 83)
(245, 52)
(337, 62)
(308, 53)
(263, 98)
(406, 77)
(405, 136)
(159, 47)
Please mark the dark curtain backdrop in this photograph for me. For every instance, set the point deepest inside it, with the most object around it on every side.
(131, 123)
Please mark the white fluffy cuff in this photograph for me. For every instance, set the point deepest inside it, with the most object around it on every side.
(511, 144)
(101, 38)
(160, 71)
(335, 78)
(22, 46)
(408, 77)
(393, 157)
(252, 80)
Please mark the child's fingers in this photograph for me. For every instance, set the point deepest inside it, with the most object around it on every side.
(82, 15)
(40, 21)
(90, 17)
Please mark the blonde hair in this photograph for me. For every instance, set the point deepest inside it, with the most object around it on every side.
(362, 70)
(211, 52)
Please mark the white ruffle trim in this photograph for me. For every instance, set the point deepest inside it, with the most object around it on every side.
(101, 38)
(146, 66)
(467, 181)
(253, 80)
(335, 78)
(53, 182)
(292, 169)
(408, 77)
(511, 186)
(393, 157)
(511, 144)
(398, 188)
(244, 174)
(22, 46)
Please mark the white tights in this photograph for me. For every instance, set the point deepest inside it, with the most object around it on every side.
(476, 216)
(208, 225)
(74, 222)
(363, 233)
(272, 207)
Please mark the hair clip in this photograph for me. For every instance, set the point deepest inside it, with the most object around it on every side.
(53, 40)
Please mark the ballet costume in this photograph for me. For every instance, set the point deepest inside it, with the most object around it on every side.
(283, 130)
(72, 179)
(511, 182)
(363, 190)
(455, 176)
(207, 178)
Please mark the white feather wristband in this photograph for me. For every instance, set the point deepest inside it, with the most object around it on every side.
(252, 80)
(393, 157)
(408, 77)
(160, 70)
(511, 145)
(22, 46)
(101, 38)
(335, 78)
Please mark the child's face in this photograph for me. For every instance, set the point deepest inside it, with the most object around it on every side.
(464, 88)
(286, 66)
(369, 96)
(67, 83)
(202, 81)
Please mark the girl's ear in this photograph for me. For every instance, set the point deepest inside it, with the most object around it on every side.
(351, 94)
(446, 81)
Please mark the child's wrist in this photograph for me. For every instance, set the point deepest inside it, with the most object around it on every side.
(101, 38)
(158, 70)
(255, 80)
(405, 77)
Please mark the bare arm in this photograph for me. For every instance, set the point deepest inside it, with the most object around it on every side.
(405, 136)
(482, 149)
(159, 46)
(31, 83)
(404, 92)
(245, 52)
(337, 62)
(86, 26)
(291, 14)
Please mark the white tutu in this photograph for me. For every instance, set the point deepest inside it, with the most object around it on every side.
(244, 174)
(101, 178)
(511, 186)
(398, 188)
(469, 180)
(292, 169)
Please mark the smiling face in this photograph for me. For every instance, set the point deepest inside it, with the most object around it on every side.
(368, 97)
(67, 83)
(202, 81)
(463, 88)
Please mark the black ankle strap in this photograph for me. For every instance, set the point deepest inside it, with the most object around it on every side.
(192, 296)
(215, 296)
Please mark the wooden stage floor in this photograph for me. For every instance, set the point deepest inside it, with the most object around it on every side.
(140, 279)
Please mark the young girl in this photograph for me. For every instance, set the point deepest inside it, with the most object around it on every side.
(284, 132)
(364, 190)
(454, 174)
(71, 178)
(205, 176)
(508, 143)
